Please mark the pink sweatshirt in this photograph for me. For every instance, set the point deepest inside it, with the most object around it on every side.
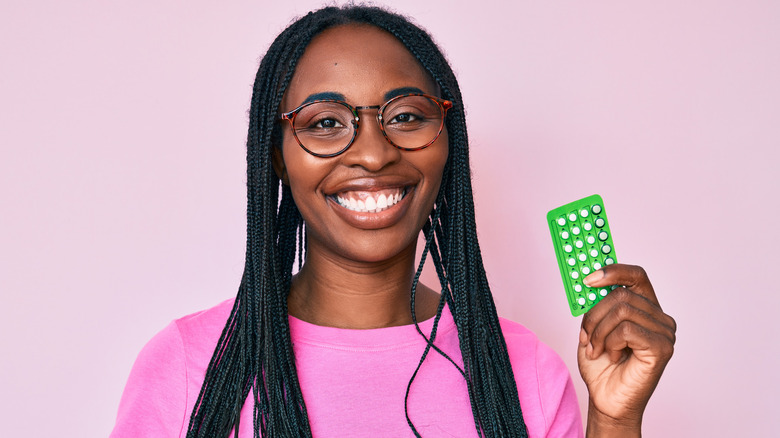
(353, 381)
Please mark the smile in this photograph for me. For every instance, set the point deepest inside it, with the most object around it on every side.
(370, 202)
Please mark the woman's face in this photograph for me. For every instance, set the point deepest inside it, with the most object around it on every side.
(363, 66)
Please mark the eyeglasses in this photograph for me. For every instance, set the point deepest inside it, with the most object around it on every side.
(326, 128)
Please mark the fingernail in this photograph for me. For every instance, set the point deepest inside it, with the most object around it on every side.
(583, 337)
(594, 276)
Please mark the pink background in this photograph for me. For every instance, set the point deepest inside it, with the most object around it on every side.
(122, 173)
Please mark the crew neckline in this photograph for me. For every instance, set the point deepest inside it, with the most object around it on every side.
(368, 339)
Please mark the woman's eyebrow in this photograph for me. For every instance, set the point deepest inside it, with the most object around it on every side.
(332, 95)
(325, 95)
(403, 90)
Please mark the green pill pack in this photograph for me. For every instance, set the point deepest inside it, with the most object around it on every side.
(583, 244)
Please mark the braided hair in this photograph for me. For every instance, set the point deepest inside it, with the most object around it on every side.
(254, 352)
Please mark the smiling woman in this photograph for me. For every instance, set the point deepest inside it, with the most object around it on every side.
(357, 117)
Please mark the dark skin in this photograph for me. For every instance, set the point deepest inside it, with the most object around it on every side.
(359, 266)
(625, 343)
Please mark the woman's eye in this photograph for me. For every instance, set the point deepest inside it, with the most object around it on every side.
(404, 118)
(327, 124)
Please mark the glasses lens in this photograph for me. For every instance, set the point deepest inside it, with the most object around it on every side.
(324, 127)
(412, 122)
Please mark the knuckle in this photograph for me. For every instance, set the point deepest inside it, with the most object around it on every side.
(621, 294)
(669, 351)
(624, 311)
(673, 323)
(638, 274)
(665, 352)
(625, 328)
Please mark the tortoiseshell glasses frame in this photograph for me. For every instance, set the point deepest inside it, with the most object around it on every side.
(329, 127)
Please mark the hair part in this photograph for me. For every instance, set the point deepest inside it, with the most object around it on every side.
(254, 352)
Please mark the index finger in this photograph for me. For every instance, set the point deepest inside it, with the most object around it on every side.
(632, 277)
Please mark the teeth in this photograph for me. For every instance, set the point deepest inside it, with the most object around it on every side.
(371, 203)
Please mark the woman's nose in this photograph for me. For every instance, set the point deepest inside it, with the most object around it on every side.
(370, 149)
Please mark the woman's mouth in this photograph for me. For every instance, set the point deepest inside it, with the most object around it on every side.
(370, 201)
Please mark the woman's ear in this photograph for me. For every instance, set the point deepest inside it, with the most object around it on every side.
(277, 160)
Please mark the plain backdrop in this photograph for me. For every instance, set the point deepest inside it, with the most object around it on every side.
(122, 182)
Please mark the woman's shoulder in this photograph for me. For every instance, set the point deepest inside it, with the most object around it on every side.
(522, 342)
(529, 353)
(204, 322)
(167, 374)
(544, 382)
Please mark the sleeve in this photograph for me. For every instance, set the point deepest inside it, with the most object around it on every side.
(154, 401)
(559, 402)
(544, 385)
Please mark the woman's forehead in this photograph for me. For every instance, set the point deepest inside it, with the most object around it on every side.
(359, 62)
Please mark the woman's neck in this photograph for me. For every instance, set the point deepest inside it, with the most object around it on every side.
(330, 291)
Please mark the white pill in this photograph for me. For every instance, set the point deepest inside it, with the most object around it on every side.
(594, 253)
(579, 244)
(586, 270)
(609, 261)
(575, 230)
(606, 249)
(578, 287)
(568, 248)
(597, 266)
(603, 235)
(581, 301)
(584, 212)
(603, 292)
(599, 222)
(561, 221)
(588, 226)
(572, 217)
(592, 296)
(565, 235)
(571, 261)
(582, 256)
(591, 240)
(596, 209)
(575, 275)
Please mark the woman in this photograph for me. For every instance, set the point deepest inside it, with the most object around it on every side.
(357, 119)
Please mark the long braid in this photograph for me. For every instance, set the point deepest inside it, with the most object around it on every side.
(254, 352)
